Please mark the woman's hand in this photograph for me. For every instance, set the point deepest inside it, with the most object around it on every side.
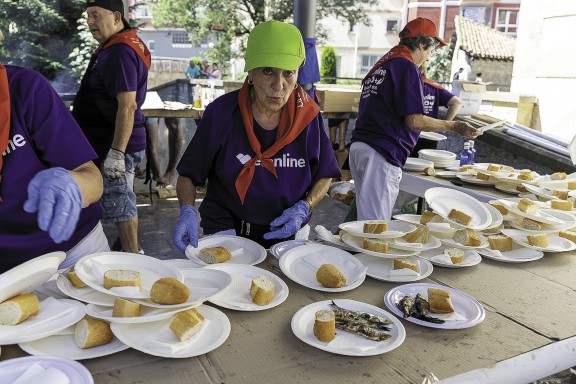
(290, 221)
(186, 231)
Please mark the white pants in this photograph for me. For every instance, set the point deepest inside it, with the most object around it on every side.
(377, 182)
(95, 241)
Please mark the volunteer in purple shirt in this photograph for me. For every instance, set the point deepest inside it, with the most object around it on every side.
(390, 118)
(48, 183)
(262, 149)
(107, 107)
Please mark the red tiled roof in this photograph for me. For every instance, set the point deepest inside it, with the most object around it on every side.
(481, 41)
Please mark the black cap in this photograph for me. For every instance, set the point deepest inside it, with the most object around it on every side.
(111, 5)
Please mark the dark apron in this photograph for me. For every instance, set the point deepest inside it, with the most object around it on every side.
(256, 233)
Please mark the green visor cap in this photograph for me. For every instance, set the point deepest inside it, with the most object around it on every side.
(276, 45)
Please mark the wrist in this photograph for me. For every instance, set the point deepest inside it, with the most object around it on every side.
(308, 202)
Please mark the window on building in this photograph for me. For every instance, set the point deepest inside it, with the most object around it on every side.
(151, 45)
(181, 39)
(392, 26)
(141, 11)
(478, 14)
(507, 21)
(368, 62)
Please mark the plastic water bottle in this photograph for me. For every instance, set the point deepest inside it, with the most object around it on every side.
(465, 154)
(472, 152)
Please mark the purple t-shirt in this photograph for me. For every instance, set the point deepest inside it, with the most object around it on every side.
(219, 150)
(390, 94)
(43, 134)
(120, 69)
(434, 98)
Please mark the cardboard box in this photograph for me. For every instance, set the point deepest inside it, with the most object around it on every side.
(339, 99)
(470, 93)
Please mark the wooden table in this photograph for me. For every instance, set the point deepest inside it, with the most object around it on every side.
(186, 113)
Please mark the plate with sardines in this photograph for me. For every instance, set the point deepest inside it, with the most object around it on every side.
(348, 327)
(434, 306)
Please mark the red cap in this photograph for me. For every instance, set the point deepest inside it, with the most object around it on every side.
(421, 26)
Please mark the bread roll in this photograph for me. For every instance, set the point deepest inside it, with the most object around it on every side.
(325, 325)
(521, 188)
(460, 217)
(186, 324)
(540, 240)
(494, 168)
(467, 237)
(92, 333)
(525, 174)
(499, 206)
(528, 206)
(212, 255)
(427, 217)
(563, 205)
(465, 168)
(420, 235)
(558, 176)
(125, 308)
(375, 227)
(482, 176)
(75, 280)
(330, 276)
(572, 185)
(439, 300)
(376, 245)
(430, 171)
(169, 290)
(456, 255)
(560, 194)
(19, 308)
(531, 224)
(262, 290)
(121, 278)
(406, 263)
(500, 243)
(568, 235)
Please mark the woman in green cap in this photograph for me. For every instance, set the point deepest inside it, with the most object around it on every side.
(263, 149)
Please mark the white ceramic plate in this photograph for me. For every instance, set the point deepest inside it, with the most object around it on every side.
(463, 303)
(518, 254)
(515, 181)
(569, 222)
(511, 189)
(539, 191)
(157, 339)
(85, 294)
(450, 243)
(441, 230)
(150, 268)
(555, 243)
(203, 284)
(447, 174)
(379, 268)
(237, 295)
(496, 216)
(346, 343)
(436, 155)
(278, 249)
(408, 218)
(65, 346)
(473, 180)
(546, 216)
(471, 258)
(356, 243)
(11, 369)
(295, 264)
(37, 327)
(395, 229)
(331, 239)
(147, 314)
(250, 252)
(30, 275)
(400, 243)
(432, 136)
(417, 165)
(183, 264)
(443, 200)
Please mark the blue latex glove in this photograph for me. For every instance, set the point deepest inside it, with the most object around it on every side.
(114, 166)
(290, 221)
(186, 230)
(55, 195)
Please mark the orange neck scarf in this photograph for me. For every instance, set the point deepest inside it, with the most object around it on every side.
(295, 116)
(397, 51)
(130, 38)
(4, 115)
(433, 83)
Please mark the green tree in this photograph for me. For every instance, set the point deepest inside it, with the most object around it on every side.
(328, 68)
(439, 65)
(84, 47)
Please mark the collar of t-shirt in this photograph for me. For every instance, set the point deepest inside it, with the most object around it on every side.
(396, 52)
(4, 115)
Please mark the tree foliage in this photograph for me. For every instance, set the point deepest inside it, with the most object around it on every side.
(439, 65)
(328, 68)
(83, 50)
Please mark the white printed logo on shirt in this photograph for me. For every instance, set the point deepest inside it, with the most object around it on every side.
(243, 158)
(279, 162)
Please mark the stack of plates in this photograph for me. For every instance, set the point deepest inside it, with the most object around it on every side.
(440, 158)
(417, 165)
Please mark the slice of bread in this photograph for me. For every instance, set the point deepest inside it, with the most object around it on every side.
(121, 278)
(494, 167)
(540, 240)
(325, 325)
(460, 217)
(125, 308)
(572, 185)
(568, 235)
(262, 290)
(375, 227)
(92, 333)
(563, 195)
(427, 217)
(521, 188)
(563, 205)
(169, 290)
(467, 237)
(465, 168)
(528, 206)
(525, 174)
(376, 245)
(19, 308)
(75, 280)
(439, 300)
(558, 176)
(406, 263)
(330, 276)
(456, 255)
(186, 324)
(499, 206)
(420, 235)
(482, 176)
(500, 243)
(531, 224)
(213, 255)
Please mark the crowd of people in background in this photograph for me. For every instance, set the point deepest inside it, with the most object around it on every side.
(207, 71)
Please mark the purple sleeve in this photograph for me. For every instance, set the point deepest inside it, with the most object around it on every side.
(119, 70)
(407, 86)
(444, 97)
(324, 164)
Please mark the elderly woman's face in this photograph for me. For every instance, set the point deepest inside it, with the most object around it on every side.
(272, 86)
